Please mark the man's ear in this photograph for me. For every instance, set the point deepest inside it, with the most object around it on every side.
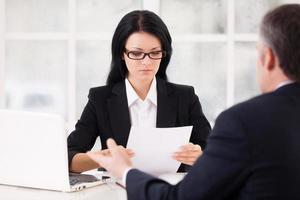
(270, 59)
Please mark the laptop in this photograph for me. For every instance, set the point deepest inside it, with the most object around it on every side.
(33, 153)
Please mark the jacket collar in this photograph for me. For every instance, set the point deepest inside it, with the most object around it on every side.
(132, 95)
(118, 113)
(118, 110)
(167, 105)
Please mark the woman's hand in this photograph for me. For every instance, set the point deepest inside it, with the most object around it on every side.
(188, 154)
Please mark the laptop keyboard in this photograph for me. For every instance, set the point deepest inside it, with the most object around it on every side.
(81, 178)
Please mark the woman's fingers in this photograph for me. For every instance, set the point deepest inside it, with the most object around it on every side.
(188, 161)
(190, 147)
(188, 154)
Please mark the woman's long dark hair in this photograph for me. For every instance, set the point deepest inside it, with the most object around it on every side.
(135, 21)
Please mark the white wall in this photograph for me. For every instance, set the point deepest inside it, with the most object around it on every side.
(53, 51)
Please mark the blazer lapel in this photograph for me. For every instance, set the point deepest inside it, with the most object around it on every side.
(119, 114)
(166, 106)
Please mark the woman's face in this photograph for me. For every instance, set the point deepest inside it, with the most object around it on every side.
(139, 68)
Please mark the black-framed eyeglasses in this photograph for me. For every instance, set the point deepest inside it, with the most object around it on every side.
(139, 55)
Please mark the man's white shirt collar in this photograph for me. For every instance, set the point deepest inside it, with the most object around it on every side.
(133, 97)
(283, 83)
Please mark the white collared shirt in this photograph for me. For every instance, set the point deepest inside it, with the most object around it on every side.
(142, 113)
(283, 83)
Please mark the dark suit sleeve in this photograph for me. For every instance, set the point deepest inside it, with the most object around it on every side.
(220, 171)
(83, 138)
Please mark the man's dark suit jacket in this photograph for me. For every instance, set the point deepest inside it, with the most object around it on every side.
(107, 115)
(253, 152)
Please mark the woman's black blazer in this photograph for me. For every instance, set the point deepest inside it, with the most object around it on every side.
(107, 115)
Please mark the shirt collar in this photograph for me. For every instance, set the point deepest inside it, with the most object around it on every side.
(152, 93)
(132, 96)
(283, 83)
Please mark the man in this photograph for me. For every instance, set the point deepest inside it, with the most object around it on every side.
(254, 149)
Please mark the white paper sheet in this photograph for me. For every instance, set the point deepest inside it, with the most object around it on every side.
(153, 147)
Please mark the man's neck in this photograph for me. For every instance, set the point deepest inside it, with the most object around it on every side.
(278, 79)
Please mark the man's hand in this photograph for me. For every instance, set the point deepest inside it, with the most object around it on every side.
(188, 154)
(116, 161)
(106, 152)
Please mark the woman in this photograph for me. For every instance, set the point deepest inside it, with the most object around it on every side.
(138, 94)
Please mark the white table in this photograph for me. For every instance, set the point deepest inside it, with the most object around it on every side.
(109, 191)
